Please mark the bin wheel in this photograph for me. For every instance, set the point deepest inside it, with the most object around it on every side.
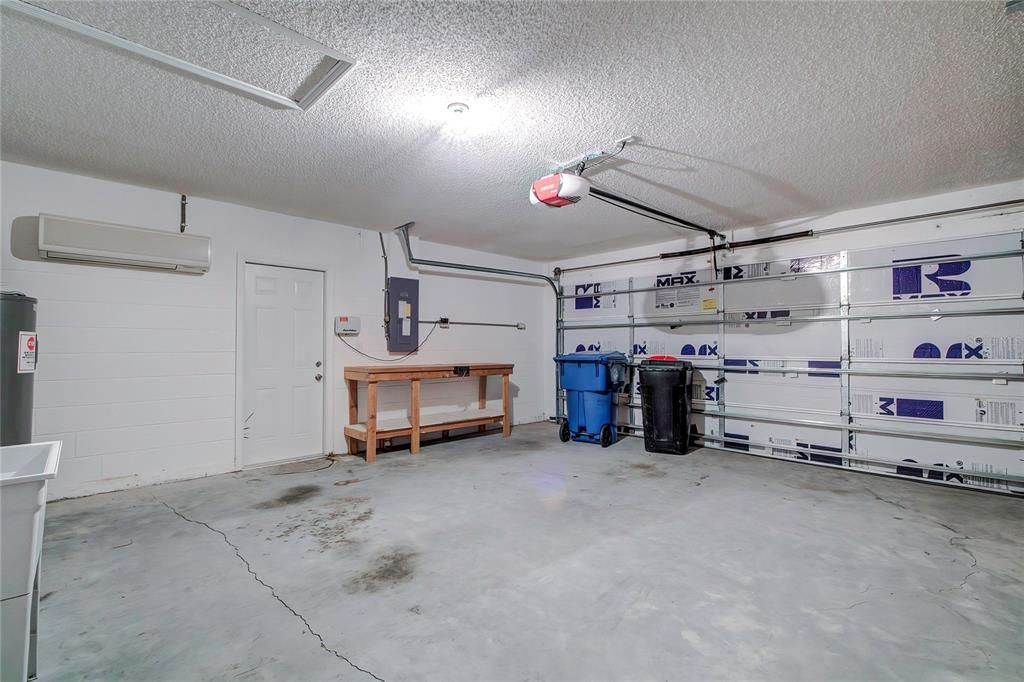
(563, 432)
(607, 435)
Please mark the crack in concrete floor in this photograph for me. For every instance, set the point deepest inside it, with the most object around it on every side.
(952, 541)
(273, 592)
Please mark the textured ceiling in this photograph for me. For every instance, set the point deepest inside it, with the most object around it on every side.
(202, 33)
(748, 112)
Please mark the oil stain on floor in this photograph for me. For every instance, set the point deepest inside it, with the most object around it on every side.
(294, 495)
(331, 524)
(637, 470)
(391, 568)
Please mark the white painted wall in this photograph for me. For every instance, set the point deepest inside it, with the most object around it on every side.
(1001, 278)
(137, 370)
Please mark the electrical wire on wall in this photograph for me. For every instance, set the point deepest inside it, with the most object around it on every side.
(387, 289)
(374, 357)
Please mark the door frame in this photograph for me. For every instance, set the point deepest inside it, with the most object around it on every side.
(327, 435)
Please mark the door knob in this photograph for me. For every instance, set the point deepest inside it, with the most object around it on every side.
(318, 377)
(318, 363)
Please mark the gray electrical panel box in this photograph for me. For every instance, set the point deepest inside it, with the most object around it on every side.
(404, 311)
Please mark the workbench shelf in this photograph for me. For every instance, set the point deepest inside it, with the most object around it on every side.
(373, 429)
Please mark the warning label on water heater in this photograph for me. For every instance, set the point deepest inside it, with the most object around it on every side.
(26, 352)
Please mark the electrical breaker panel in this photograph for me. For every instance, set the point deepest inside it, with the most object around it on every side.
(404, 311)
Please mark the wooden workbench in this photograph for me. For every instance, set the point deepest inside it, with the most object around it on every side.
(374, 429)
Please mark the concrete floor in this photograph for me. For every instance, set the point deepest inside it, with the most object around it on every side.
(527, 559)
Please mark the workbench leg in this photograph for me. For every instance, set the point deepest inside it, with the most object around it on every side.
(414, 417)
(482, 400)
(371, 422)
(353, 413)
(506, 405)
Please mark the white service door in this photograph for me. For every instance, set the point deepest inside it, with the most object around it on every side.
(283, 354)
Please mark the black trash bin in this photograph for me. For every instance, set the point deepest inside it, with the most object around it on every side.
(665, 387)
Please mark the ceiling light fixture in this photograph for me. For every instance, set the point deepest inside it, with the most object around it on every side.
(458, 108)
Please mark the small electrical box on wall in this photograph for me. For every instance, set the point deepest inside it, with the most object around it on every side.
(346, 325)
(404, 314)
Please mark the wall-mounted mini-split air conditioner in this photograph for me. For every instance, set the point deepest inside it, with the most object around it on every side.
(87, 241)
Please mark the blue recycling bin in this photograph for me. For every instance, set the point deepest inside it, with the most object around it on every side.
(590, 380)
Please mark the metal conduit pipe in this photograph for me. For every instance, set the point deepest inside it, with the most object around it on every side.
(403, 237)
(803, 234)
(445, 323)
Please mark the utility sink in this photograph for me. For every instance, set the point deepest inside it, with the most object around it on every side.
(24, 472)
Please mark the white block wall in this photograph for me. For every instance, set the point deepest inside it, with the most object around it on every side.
(137, 369)
(974, 408)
